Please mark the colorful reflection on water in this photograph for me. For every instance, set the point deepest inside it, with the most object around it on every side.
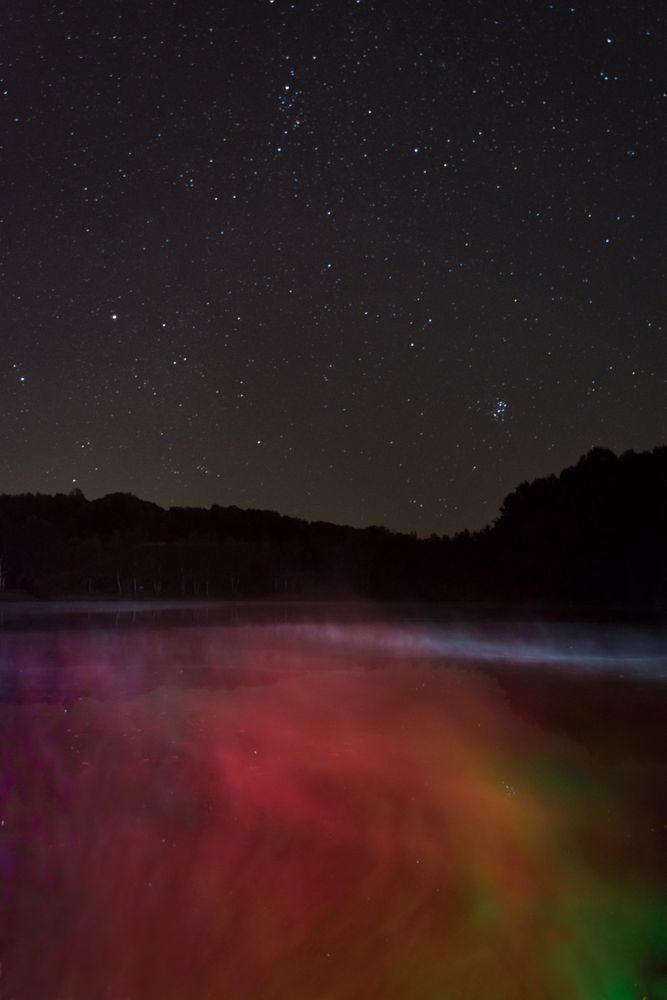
(280, 813)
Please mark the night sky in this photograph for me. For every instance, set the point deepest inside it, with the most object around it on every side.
(367, 262)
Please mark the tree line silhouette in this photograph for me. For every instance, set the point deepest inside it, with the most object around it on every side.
(594, 535)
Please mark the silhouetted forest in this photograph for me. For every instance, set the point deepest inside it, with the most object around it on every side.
(595, 535)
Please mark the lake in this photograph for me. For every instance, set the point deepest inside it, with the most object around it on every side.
(294, 802)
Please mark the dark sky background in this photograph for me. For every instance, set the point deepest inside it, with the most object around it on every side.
(368, 262)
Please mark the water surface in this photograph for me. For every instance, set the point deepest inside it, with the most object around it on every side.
(321, 802)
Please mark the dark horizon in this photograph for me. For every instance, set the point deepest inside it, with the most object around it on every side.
(594, 535)
(76, 489)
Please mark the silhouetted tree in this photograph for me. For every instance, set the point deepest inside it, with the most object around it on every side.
(594, 534)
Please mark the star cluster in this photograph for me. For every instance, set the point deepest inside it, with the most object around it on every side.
(358, 261)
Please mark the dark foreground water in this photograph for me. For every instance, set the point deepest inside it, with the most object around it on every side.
(304, 804)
